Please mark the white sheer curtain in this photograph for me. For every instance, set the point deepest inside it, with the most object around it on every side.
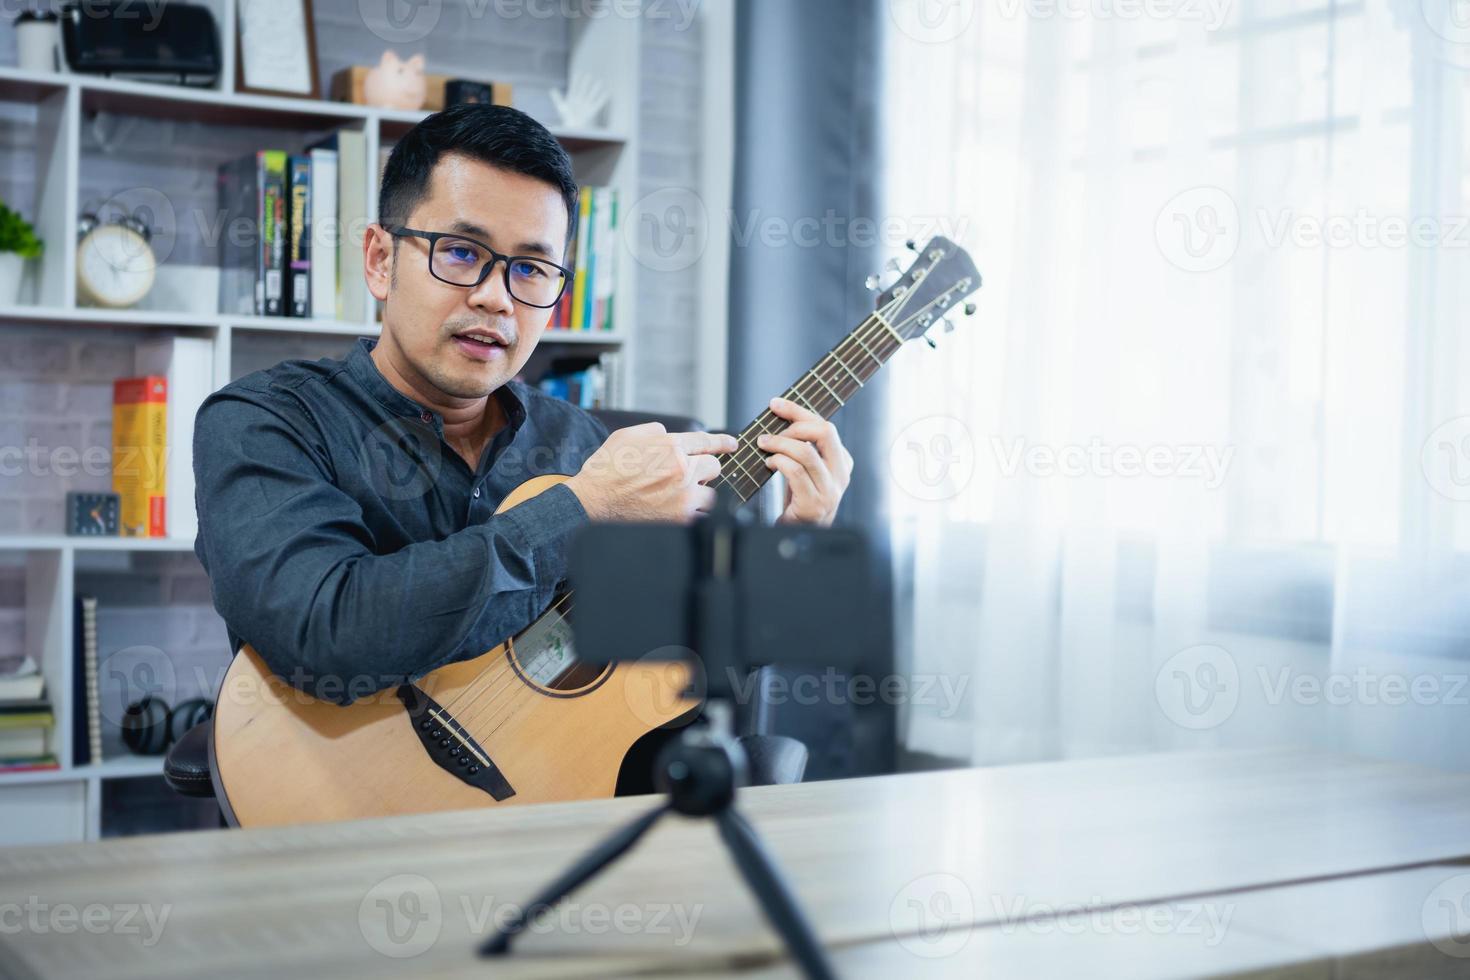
(1197, 473)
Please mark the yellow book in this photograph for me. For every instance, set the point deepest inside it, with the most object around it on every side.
(579, 287)
(139, 452)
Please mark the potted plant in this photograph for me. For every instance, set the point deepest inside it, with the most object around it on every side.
(18, 242)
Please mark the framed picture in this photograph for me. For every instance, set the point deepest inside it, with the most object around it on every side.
(275, 49)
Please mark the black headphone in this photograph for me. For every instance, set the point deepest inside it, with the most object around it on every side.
(150, 726)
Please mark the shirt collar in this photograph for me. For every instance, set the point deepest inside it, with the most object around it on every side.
(362, 367)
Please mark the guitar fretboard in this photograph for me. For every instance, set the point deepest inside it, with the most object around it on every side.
(824, 389)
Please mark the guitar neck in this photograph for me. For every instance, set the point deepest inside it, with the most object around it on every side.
(824, 389)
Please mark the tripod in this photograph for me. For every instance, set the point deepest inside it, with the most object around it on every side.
(700, 772)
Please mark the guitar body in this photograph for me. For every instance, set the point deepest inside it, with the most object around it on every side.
(279, 756)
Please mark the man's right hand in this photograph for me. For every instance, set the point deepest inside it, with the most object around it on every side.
(645, 473)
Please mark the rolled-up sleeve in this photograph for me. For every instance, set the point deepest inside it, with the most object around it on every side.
(293, 572)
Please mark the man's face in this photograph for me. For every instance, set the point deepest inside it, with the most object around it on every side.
(427, 319)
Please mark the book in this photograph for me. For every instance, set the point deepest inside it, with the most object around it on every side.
(604, 259)
(25, 734)
(325, 233)
(579, 380)
(584, 246)
(139, 448)
(24, 742)
(25, 683)
(273, 231)
(238, 185)
(29, 764)
(611, 363)
(561, 316)
(25, 720)
(350, 146)
(25, 706)
(187, 366)
(298, 236)
(588, 278)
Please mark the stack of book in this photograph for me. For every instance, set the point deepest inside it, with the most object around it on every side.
(588, 305)
(25, 721)
(290, 222)
(150, 413)
(585, 382)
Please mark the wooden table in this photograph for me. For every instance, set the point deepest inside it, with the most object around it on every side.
(1268, 862)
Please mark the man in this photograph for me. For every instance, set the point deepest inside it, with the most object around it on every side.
(347, 507)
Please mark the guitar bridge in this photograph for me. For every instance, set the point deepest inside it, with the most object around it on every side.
(451, 747)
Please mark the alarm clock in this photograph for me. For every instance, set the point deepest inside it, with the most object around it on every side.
(115, 264)
(92, 515)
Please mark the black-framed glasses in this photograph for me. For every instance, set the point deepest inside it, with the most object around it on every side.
(461, 261)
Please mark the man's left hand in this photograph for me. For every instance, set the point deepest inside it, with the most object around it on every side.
(817, 467)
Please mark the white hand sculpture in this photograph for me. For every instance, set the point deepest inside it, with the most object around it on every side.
(580, 104)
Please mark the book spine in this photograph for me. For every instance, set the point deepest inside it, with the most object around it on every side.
(610, 277)
(584, 233)
(594, 242)
(262, 247)
(299, 236)
(325, 233)
(139, 453)
(273, 231)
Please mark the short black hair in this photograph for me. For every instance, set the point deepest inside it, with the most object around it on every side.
(495, 134)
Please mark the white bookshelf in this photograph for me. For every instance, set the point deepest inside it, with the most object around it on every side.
(65, 804)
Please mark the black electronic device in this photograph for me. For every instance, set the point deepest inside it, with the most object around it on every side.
(173, 42)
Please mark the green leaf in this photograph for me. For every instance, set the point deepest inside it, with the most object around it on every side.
(17, 235)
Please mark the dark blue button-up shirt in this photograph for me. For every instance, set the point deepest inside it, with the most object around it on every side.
(352, 547)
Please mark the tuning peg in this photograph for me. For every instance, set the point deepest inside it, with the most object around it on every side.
(969, 309)
(871, 283)
(948, 326)
(892, 265)
(930, 341)
(911, 245)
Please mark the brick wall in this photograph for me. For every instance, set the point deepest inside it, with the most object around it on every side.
(55, 382)
(669, 133)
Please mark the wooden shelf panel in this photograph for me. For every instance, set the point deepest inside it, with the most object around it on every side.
(236, 109)
(63, 542)
(143, 319)
(124, 767)
(29, 86)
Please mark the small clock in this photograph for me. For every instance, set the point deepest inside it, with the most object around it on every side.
(115, 263)
(92, 515)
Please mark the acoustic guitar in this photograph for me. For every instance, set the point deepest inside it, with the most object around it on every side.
(525, 722)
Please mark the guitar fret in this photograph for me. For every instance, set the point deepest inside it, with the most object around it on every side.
(802, 403)
(889, 327)
(869, 350)
(828, 387)
(849, 370)
(733, 457)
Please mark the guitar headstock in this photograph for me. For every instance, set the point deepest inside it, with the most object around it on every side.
(939, 280)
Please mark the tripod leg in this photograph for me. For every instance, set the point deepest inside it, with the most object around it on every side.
(586, 867)
(775, 898)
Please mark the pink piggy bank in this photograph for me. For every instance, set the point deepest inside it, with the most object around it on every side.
(396, 84)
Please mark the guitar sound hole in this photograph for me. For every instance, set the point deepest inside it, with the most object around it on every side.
(575, 677)
(545, 657)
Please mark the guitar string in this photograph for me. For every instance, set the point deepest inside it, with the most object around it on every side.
(457, 705)
(875, 325)
(798, 389)
(506, 673)
(563, 609)
(563, 606)
(518, 704)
